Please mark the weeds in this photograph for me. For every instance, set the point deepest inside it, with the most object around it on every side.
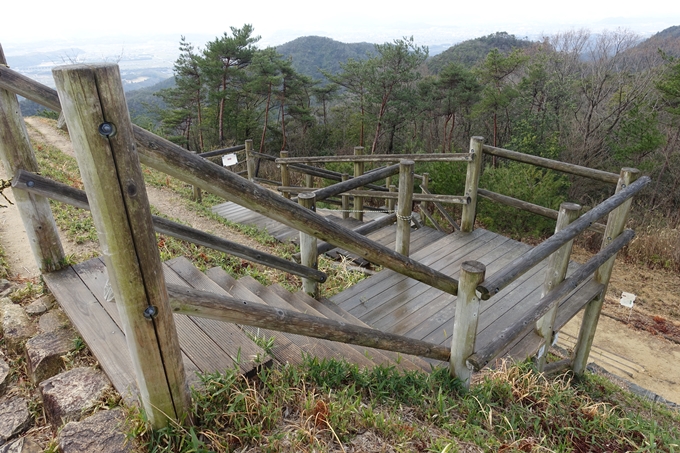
(329, 405)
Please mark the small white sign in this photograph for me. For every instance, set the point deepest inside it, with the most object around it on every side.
(627, 299)
(229, 159)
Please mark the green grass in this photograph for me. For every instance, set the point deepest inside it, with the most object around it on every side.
(324, 406)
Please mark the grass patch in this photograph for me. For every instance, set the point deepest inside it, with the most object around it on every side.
(329, 405)
(656, 247)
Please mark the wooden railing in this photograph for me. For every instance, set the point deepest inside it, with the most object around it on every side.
(100, 128)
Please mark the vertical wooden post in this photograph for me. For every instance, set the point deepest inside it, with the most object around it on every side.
(345, 199)
(250, 161)
(474, 171)
(358, 171)
(591, 315)
(556, 270)
(388, 183)
(403, 239)
(425, 184)
(391, 201)
(308, 246)
(309, 180)
(465, 320)
(17, 153)
(285, 174)
(93, 102)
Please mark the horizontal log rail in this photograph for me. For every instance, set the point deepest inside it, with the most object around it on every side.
(219, 152)
(501, 339)
(46, 187)
(192, 302)
(564, 167)
(263, 156)
(529, 207)
(382, 158)
(365, 229)
(519, 266)
(344, 186)
(453, 199)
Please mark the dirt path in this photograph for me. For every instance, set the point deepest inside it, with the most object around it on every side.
(640, 357)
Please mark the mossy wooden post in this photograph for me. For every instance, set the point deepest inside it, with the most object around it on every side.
(391, 201)
(465, 320)
(17, 153)
(345, 199)
(555, 273)
(388, 183)
(404, 204)
(308, 246)
(358, 171)
(425, 185)
(616, 221)
(93, 102)
(285, 174)
(250, 160)
(474, 171)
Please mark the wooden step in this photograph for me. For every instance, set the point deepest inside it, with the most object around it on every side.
(285, 299)
(288, 348)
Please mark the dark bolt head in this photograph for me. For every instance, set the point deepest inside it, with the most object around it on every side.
(30, 183)
(107, 129)
(150, 312)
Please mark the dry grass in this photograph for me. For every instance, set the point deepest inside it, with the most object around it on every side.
(656, 247)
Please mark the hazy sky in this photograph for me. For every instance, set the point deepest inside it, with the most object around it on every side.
(348, 21)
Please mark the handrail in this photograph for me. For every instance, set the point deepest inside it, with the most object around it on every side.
(46, 187)
(484, 355)
(437, 157)
(529, 207)
(193, 302)
(564, 167)
(336, 189)
(519, 266)
(219, 152)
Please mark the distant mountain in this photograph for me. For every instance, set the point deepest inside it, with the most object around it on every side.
(473, 51)
(667, 40)
(311, 53)
(142, 103)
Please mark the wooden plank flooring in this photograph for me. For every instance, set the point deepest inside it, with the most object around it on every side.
(207, 346)
(394, 303)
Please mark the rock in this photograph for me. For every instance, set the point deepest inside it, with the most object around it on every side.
(44, 352)
(4, 284)
(53, 320)
(100, 433)
(14, 418)
(21, 445)
(69, 395)
(4, 373)
(5, 301)
(40, 306)
(16, 326)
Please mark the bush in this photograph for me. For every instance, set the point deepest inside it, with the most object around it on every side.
(527, 183)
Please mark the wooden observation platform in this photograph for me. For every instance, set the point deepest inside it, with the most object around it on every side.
(449, 294)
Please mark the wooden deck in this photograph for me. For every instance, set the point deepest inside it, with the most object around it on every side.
(394, 303)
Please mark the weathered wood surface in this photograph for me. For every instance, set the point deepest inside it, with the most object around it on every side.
(397, 304)
(16, 154)
(380, 158)
(474, 172)
(99, 125)
(80, 291)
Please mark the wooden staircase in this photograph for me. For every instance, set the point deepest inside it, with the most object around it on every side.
(207, 345)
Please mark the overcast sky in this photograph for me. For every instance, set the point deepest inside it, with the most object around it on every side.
(279, 21)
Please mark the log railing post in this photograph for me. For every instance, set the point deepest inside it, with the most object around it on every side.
(465, 320)
(93, 102)
(308, 246)
(358, 171)
(474, 171)
(391, 201)
(285, 174)
(250, 160)
(17, 153)
(388, 183)
(345, 199)
(616, 222)
(425, 186)
(556, 270)
(404, 204)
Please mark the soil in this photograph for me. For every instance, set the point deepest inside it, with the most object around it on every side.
(641, 345)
